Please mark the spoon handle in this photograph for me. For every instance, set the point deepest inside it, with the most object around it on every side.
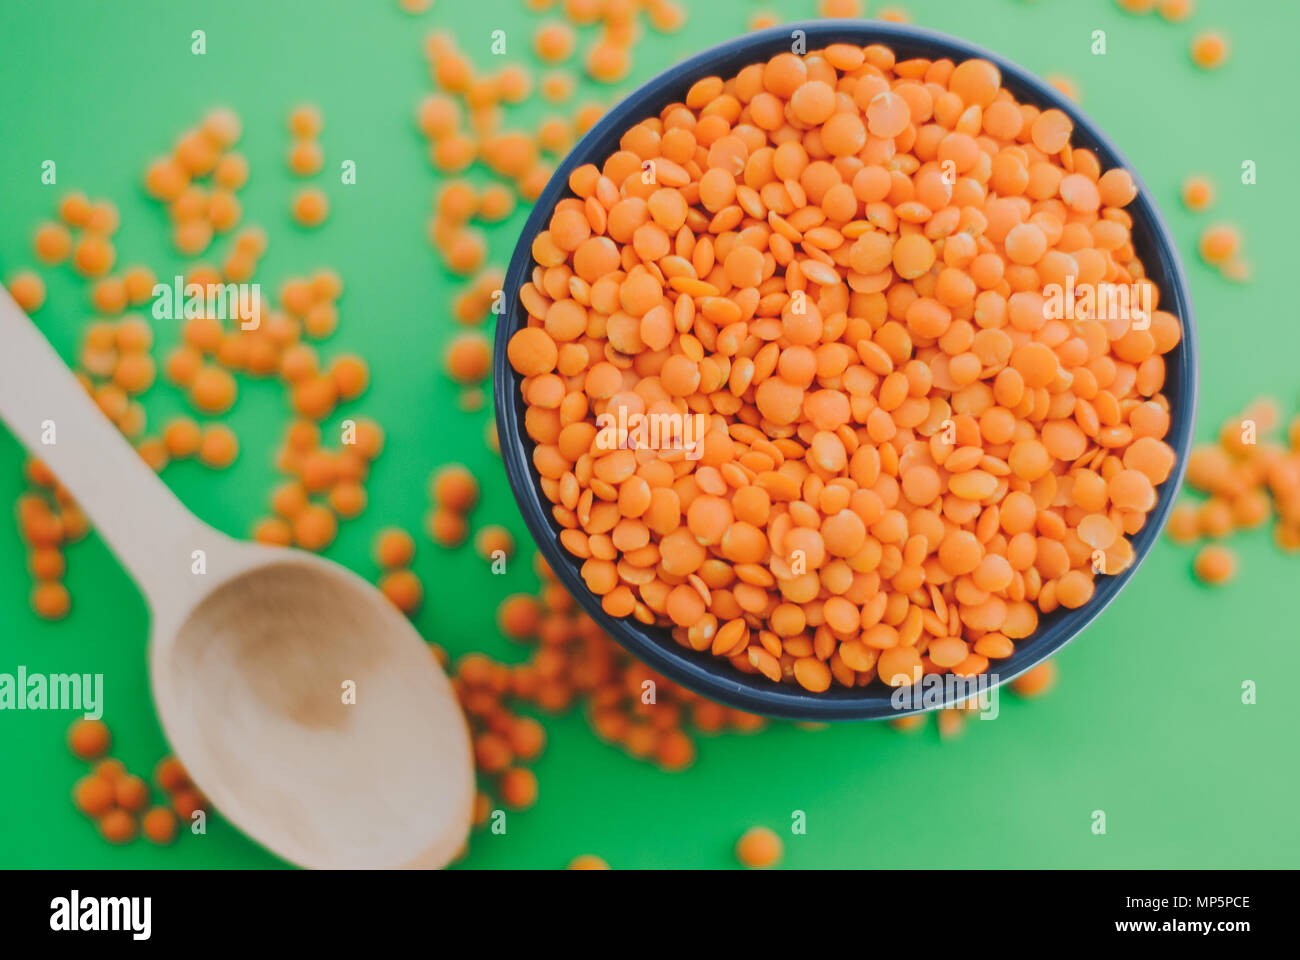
(51, 413)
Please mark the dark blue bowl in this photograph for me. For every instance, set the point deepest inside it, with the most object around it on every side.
(712, 676)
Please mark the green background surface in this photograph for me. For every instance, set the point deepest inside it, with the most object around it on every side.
(1147, 721)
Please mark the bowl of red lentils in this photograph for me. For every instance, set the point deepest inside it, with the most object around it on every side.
(841, 360)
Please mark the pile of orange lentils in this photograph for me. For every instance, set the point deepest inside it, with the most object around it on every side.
(198, 182)
(626, 703)
(117, 799)
(463, 121)
(394, 550)
(309, 206)
(839, 262)
(573, 659)
(1219, 244)
(1249, 478)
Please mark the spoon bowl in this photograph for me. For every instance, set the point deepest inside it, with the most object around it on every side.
(298, 677)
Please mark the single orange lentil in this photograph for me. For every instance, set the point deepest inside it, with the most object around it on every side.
(532, 351)
(394, 548)
(186, 802)
(181, 436)
(492, 540)
(447, 528)
(1236, 269)
(1198, 193)
(273, 531)
(102, 218)
(1036, 681)
(369, 438)
(909, 723)
(518, 788)
(403, 589)
(130, 792)
(975, 81)
(171, 775)
(218, 447)
(75, 209)
(310, 207)
(888, 115)
(93, 255)
(53, 243)
(469, 358)
(496, 203)
(351, 376)
(50, 600)
(224, 211)
(675, 750)
(326, 284)
(88, 739)
(454, 152)
(913, 256)
(135, 372)
(587, 861)
(759, 848)
(306, 158)
(306, 122)
(1219, 243)
(1209, 50)
(231, 172)
(454, 488)
(165, 180)
(192, 236)
(492, 753)
(1068, 87)
(117, 826)
(527, 738)
(212, 389)
(110, 769)
(74, 522)
(138, 283)
(1183, 525)
(318, 469)
(93, 795)
(28, 290)
(315, 527)
(159, 825)
(300, 363)
(1215, 564)
(519, 616)
(109, 295)
(47, 563)
(314, 397)
(1050, 131)
(554, 42)
(607, 62)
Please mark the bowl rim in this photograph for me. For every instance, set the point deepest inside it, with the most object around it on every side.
(715, 677)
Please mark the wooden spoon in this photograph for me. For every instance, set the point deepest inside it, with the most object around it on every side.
(253, 650)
